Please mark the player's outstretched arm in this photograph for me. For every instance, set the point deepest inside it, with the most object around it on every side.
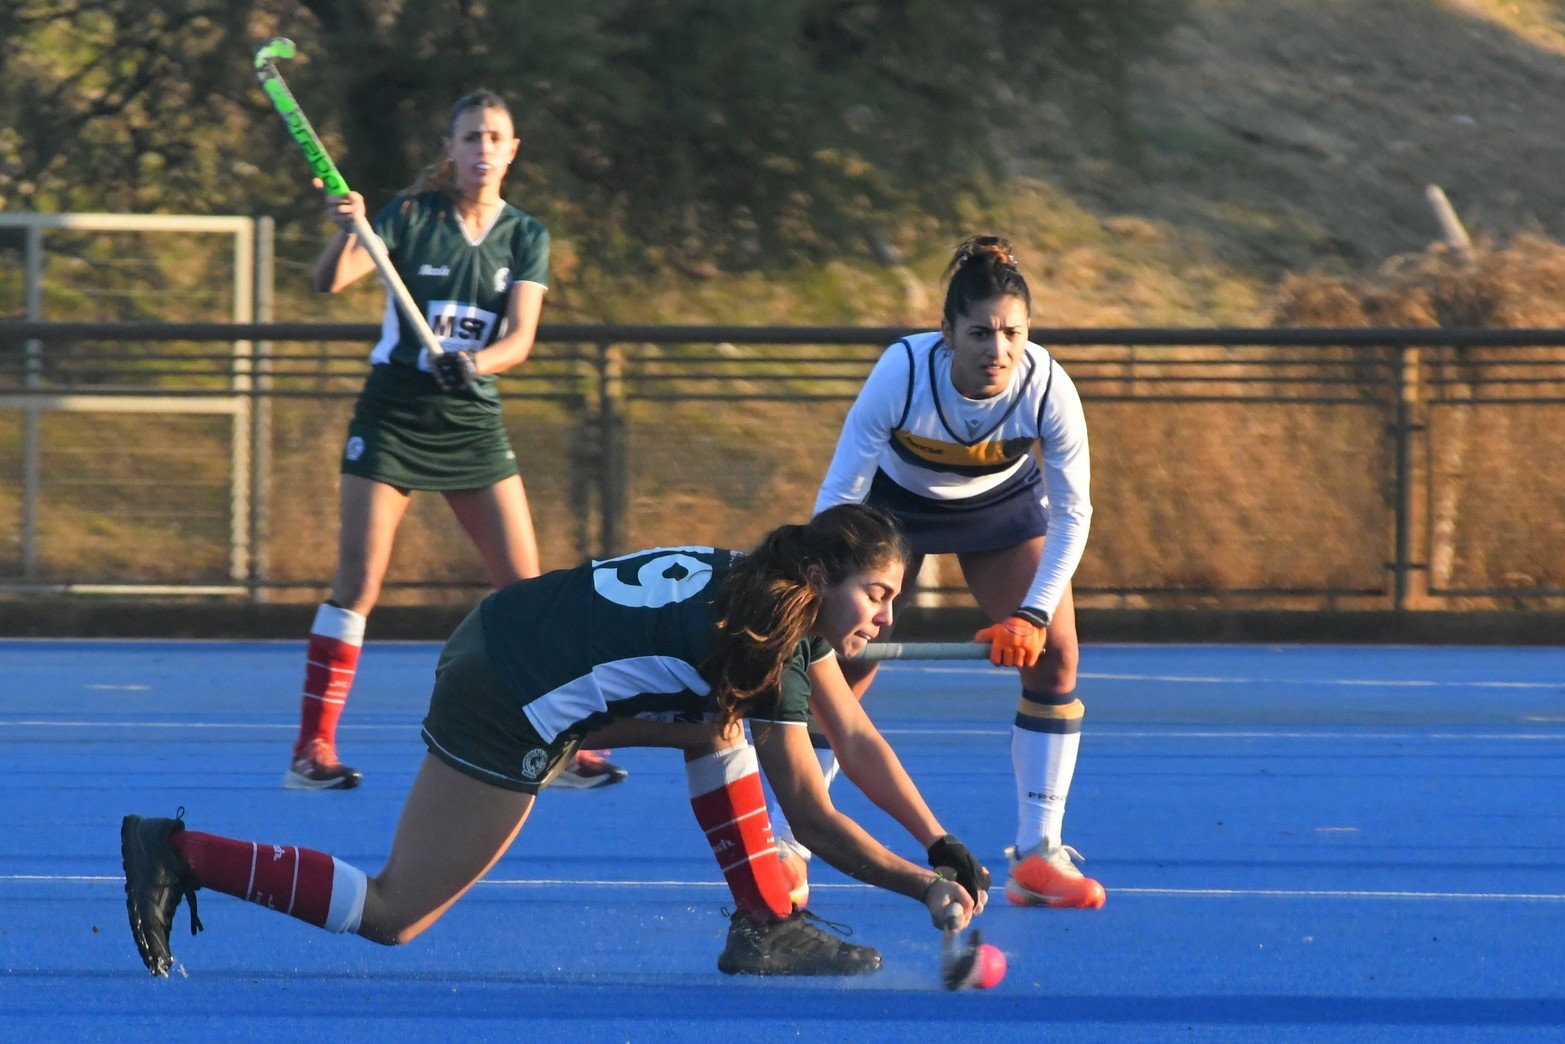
(868, 759)
(789, 762)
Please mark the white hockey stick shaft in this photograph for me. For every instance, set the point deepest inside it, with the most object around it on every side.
(924, 651)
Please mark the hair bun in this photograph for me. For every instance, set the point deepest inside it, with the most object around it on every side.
(980, 247)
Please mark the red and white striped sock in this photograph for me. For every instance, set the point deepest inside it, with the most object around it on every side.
(330, 662)
(300, 882)
(730, 805)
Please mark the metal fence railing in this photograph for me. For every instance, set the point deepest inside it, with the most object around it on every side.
(1362, 468)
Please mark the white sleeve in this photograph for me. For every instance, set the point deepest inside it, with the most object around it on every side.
(1067, 477)
(867, 430)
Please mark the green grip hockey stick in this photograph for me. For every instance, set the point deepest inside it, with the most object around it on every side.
(320, 162)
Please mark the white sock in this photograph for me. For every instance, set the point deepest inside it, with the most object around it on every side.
(348, 887)
(333, 621)
(718, 769)
(1043, 762)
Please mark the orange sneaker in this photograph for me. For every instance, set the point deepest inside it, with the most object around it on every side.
(1046, 876)
(796, 871)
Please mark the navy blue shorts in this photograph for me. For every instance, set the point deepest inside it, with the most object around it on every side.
(1008, 515)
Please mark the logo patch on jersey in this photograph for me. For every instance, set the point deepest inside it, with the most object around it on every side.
(354, 449)
(502, 280)
(983, 454)
(534, 763)
(436, 271)
(458, 325)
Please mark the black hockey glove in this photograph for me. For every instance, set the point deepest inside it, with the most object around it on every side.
(947, 851)
(454, 370)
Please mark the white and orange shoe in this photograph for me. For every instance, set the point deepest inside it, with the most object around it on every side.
(796, 870)
(588, 770)
(1046, 876)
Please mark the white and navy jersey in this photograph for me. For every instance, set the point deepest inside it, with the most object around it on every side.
(911, 423)
(462, 284)
(624, 638)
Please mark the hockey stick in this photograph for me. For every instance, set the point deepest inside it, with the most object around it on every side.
(304, 134)
(924, 651)
(957, 957)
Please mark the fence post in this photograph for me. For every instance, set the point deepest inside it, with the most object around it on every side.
(261, 412)
(1404, 430)
(242, 384)
(611, 448)
(32, 419)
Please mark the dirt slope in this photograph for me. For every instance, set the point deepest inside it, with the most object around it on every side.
(1291, 136)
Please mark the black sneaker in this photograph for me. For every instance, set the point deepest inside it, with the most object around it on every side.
(792, 946)
(155, 880)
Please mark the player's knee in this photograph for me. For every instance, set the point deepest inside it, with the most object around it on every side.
(1055, 673)
(390, 933)
(383, 923)
(1053, 680)
(856, 671)
(859, 675)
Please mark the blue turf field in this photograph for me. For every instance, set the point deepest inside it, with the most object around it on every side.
(1299, 843)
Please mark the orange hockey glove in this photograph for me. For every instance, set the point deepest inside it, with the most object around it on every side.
(1015, 643)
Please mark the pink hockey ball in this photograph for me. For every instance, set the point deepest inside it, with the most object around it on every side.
(988, 969)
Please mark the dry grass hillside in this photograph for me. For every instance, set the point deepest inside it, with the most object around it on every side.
(1270, 138)
(1286, 136)
(1276, 174)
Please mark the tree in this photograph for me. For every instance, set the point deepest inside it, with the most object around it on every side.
(655, 131)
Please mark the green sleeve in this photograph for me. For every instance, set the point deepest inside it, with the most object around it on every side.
(390, 223)
(531, 251)
(793, 702)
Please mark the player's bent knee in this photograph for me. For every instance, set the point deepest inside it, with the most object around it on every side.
(1050, 680)
(383, 923)
(390, 934)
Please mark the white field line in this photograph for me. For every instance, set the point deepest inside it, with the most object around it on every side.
(1199, 679)
(265, 726)
(1106, 732)
(1101, 732)
(1174, 893)
(985, 670)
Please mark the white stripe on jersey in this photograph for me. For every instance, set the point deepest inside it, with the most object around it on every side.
(555, 711)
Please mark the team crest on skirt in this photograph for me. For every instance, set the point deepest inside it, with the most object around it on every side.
(534, 763)
(355, 448)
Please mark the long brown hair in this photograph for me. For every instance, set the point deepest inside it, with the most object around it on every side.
(983, 268)
(440, 176)
(770, 598)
